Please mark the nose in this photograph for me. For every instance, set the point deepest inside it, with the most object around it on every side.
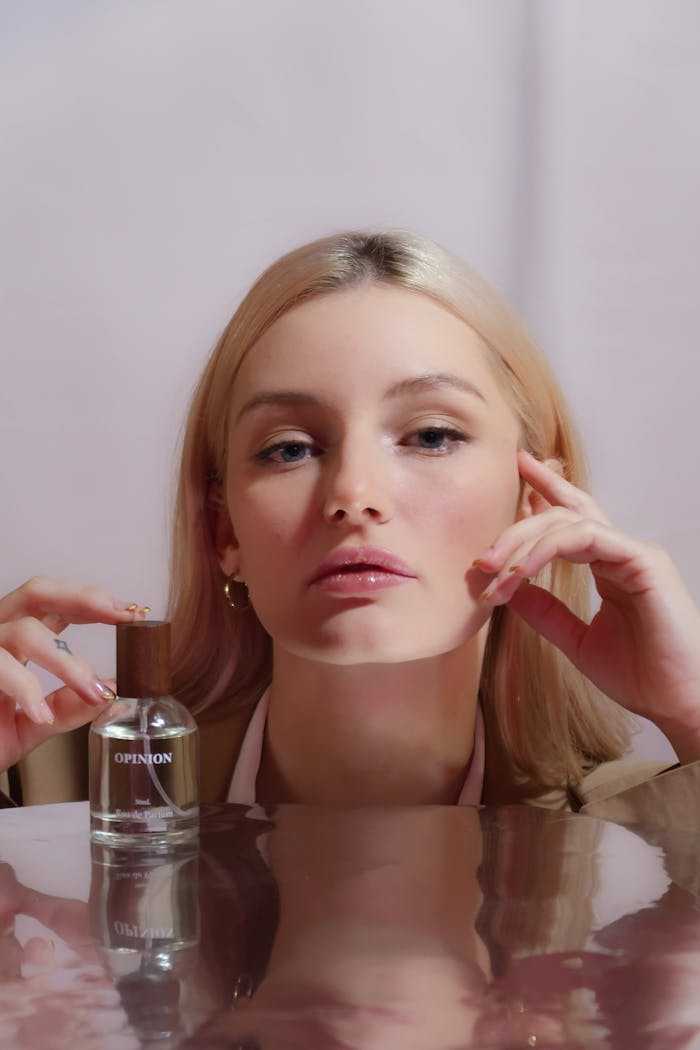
(357, 488)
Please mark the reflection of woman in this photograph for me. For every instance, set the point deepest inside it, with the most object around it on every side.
(487, 935)
(572, 937)
(540, 879)
(375, 945)
(376, 464)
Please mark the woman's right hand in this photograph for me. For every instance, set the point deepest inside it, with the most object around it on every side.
(31, 621)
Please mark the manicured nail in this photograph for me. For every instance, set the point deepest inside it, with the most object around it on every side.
(145, 610)
(513, 568)
(132, 608)
(46, 716)
(485, 596)
(104, 692)
(476, 563)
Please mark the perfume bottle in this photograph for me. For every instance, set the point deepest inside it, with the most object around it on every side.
(144, 920)
(144, 750)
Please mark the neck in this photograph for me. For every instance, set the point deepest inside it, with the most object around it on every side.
(371, 734)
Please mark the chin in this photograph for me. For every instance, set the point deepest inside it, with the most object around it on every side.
(349, 640)
(347, 652)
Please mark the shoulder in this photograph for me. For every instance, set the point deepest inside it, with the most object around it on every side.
(610, 779)
(55, 771)
(630, 792)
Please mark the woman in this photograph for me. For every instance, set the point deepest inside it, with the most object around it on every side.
(382, 530)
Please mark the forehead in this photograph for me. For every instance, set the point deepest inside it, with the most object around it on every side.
(363, 339)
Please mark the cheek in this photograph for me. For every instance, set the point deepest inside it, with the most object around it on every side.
(266, 526)
(469, 512)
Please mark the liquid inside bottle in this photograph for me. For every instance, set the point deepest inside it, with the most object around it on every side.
(144, 906)
(144, 774)
(144, 919)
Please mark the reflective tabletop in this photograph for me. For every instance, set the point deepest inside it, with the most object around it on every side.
(435, 928)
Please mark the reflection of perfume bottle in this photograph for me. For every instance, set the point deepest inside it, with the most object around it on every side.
(144, 750)
(144, 919)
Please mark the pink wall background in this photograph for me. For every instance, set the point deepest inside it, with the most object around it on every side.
(156, 155)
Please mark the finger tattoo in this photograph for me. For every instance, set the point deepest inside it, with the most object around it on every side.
(60, 644)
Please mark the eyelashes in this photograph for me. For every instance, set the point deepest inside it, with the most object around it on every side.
(431, 441)
(437, 440)
(287, 452)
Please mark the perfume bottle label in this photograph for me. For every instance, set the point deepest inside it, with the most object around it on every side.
(145, 812)
(130, 929)
(160, 758)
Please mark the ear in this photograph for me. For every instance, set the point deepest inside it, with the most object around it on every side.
(221, 530)
(531, 501)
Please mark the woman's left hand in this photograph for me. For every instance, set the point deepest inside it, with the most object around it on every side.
(642, 647)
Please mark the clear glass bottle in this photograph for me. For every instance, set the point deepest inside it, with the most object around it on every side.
(144, 750)
(144, 919)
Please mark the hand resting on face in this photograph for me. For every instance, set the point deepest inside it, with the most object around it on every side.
(642, 647)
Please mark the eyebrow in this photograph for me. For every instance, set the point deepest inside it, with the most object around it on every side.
(434, 381)
(414, 385)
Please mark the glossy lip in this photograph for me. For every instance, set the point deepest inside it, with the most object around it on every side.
(374, 567)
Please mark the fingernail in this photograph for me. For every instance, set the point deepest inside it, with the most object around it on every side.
(45, 714)
(132, 608)
(485, 596)
(513, 568)
(104, 692)
(476, 563)
(145, 610)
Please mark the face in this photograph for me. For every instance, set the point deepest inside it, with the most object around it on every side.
(371, 459)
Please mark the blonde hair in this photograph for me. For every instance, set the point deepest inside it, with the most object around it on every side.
(550, 723)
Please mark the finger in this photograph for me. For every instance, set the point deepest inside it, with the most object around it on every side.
(61, 603)
(628, 563)
(555, 488)
(68, 711)
(65, 917)
(522, 535)
(27, 639)
(10, 957)
(40, 953)
(547, 615)
(612, 556)
(23, 689)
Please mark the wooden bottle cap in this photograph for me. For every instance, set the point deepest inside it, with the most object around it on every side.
(143, 659)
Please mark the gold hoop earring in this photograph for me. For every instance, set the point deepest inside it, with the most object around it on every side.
(228, 592)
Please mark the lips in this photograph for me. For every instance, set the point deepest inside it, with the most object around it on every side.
(362, 561)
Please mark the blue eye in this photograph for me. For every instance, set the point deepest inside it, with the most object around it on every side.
(284, 452)
(437, 439)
